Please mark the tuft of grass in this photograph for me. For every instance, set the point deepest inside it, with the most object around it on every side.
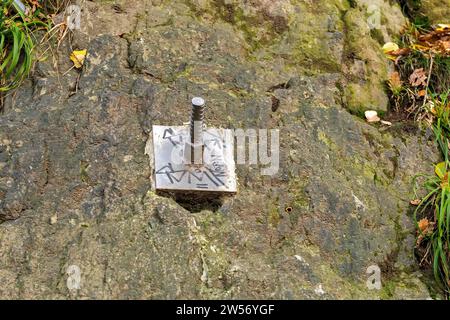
(432, 215)
(433, 245)
(17, 42)
(428, 100)
(16, 46)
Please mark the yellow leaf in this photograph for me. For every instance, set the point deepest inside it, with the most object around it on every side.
(390, 47)
(391, 57)
(420, 47)
(443, 27)
(439, 169)
(78, 57)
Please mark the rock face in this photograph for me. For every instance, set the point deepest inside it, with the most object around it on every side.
(80, 219)
(438, 11)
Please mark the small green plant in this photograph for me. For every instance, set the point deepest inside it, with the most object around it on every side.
(16, 43)
(420, 86)
(440, 107)
(432, 215)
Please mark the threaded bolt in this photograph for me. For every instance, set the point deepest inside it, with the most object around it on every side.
(196, 126)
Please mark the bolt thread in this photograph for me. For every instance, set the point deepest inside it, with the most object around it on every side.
(196, 123)
(196, 129)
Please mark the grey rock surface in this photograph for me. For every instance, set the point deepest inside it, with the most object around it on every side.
(75, 180)
(436, 11)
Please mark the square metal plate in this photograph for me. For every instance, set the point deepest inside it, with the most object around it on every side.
(215, 174)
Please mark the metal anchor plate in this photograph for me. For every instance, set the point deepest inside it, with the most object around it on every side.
(172, 172)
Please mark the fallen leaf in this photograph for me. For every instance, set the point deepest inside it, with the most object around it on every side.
(390, 47)
(418, 78)
(372, 116)
(395, 80)
(436, 41)
(427, 37)
(422, 93)
(420, 47)
(395, 83)
(426, 228)
(444, 181)
(440, 169)
(443, 27)
(415, 202)
(400, 52)
(423, 224)
(445, 46)
(77, 57)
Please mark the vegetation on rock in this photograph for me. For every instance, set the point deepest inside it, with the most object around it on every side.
(420, 89)
(16, 43)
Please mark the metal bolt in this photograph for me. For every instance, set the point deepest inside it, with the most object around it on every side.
(196, 129)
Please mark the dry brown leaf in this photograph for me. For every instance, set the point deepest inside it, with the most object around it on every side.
(426, 227)
(444, 181)
(394, 80)
(427, 37)
(445, 46)
(438, 41)
(418, 78)
(400, 52)
(423, 224)
(415, 202)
